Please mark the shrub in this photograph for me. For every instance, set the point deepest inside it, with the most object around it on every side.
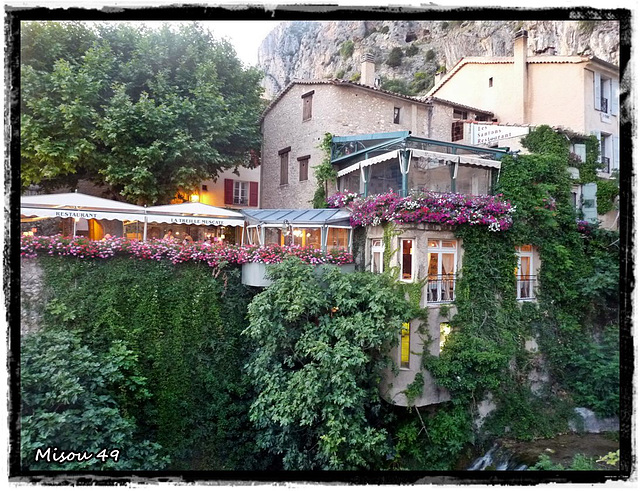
(346, 48)
(395, 57)
(412, 50)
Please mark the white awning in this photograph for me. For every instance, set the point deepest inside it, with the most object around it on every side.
(364, 163)
(31, 211)
(194, 214)
(452, 157)
(195, 220)
(76, 201)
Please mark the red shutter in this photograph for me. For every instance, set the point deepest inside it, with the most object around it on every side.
(253, 193)
(228, 191)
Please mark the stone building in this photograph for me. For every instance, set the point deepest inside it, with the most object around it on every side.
(294, 125)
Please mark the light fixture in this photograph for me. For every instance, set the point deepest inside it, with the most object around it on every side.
(195, 198)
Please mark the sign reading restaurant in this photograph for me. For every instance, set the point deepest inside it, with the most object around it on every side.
(75, 214)
(484, 134)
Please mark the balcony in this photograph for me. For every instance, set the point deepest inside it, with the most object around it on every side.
(441, 288)
(526, 285)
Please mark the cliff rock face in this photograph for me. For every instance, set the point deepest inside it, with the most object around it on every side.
(307, 49)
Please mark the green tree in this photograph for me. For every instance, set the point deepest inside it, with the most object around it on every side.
(322, 338)
(149, 112)
(71, 402)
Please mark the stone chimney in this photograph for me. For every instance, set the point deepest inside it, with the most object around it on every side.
(367, 72)
(520, 76)
(439, 76)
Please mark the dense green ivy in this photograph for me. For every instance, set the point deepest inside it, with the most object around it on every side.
(574, 319)
(324, 174)
(183, 326)
(323, 339)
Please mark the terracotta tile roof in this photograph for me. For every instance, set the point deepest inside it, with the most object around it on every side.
(344, 83)
(347, 83)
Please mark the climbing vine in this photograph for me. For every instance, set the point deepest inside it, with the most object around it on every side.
(324, 174)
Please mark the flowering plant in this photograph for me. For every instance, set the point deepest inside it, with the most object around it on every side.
(213, 254)
(584, 227)
(433, 207)
(341, 199)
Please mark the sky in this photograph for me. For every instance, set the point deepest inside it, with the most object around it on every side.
(245, 36)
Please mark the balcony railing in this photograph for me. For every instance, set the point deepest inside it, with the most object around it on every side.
(605, 164)
(526, 286)
(604, 103)
(441, 288)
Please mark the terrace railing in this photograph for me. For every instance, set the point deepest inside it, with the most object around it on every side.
(441, 288)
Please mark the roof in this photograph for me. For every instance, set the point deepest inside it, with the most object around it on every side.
(499, 60)
(457, 104)
(317, 217)
(338, 82)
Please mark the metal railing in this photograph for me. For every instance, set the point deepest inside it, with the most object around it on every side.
(441, 288)
(526, 287)
(604, 103)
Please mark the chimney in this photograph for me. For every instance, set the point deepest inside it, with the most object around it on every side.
(367, 73)
(520, 76)
(439, 76)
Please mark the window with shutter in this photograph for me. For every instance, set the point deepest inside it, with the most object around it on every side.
(457, 131)
(253, 193)
(228, 191)
(284, 165)
(304, 168)
(307, 101)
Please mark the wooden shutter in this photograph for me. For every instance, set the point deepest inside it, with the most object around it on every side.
(596, 91)
(228, 191)
(253, 193)
(615, 89)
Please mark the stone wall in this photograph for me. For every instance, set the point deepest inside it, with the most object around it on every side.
(33, 295)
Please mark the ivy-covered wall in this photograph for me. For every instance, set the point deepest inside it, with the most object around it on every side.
(180, 329)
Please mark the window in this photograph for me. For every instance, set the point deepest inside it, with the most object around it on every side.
(377, 255)
(457, 131)
(284, 165)
(204, 187)
(405, 346)
(459, 114)
(240, 193)
(445, 330)
(406, 268)
(605, 92)
(396, 115)
(307, 100)
(304, 168)
(490, 81)
(525, 279)
(441, 272)
(337, 238)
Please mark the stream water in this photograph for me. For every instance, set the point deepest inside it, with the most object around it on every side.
(512, 455)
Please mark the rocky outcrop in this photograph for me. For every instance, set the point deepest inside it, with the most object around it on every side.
(305, 49)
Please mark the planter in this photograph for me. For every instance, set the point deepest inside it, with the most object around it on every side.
(253, 274)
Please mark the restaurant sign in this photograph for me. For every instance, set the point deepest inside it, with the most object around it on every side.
(75, 214)
(484, 134)
(212, 222)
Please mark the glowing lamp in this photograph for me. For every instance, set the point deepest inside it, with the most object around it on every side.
(195, 198)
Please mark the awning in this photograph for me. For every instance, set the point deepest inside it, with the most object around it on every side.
(299, 218)
(194, 214)
(78, 205)
(452, 157)
(364, 163)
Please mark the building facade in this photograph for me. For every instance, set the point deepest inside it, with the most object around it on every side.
(294, 125)
(578, 93)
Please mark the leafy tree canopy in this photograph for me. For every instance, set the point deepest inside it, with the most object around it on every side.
(148, 112)
(317, 372)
